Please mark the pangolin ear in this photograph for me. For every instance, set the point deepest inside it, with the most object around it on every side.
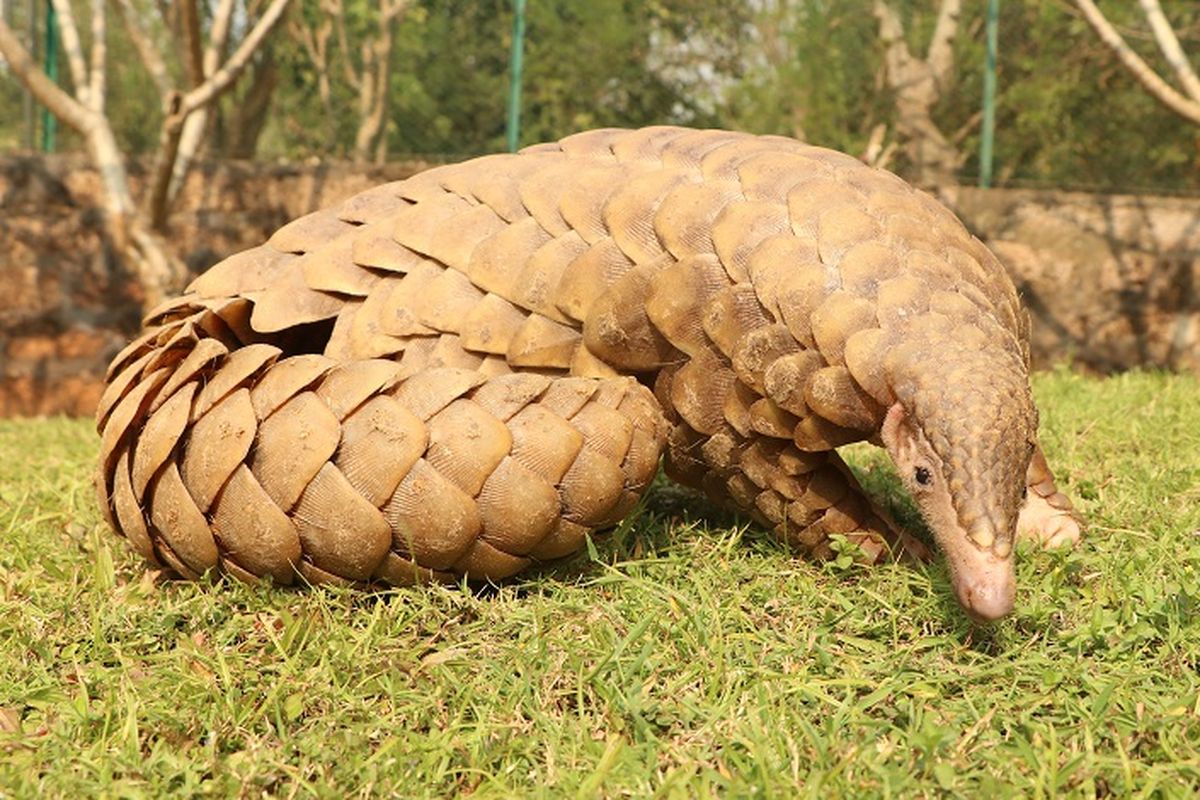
(898, 435)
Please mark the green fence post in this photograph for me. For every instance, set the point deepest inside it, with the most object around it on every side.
(987, 140)
(49, 122)
(513, 128)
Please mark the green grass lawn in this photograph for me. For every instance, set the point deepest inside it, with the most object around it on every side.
(687, 656)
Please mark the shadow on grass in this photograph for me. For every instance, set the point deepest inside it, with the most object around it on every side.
(669, 513)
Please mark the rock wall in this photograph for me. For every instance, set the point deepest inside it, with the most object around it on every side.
(1113, 282)
(65, 307)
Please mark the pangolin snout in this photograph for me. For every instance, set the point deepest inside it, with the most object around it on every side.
(987, 597)
(984, 579)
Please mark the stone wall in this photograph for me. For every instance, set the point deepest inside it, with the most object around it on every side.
(65, 310)
(1113, 282)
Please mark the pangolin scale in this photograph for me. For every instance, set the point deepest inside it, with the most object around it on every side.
(469, 371)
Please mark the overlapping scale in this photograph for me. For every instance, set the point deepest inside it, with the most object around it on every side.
(381, 394)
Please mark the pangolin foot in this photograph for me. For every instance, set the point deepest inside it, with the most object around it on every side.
(905, 547)
(1050, 523)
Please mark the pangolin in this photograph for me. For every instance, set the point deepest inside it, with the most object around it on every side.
(469, 371)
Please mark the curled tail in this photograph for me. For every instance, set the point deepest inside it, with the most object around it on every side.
(264, 460)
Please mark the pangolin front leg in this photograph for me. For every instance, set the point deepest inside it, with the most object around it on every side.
(805, 498)
(1047, 515)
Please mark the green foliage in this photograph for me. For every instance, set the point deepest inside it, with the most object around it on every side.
(451, 97)
(12, 133)
(688, 657)
(589, 63)
(1068, 113)
(814, 75)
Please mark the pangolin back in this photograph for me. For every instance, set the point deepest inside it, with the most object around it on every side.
(470, 370)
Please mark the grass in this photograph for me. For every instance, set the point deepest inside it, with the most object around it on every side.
(682, 658)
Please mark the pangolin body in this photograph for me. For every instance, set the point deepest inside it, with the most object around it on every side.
(468, 371)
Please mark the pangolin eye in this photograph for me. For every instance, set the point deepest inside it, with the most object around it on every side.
(923, 477)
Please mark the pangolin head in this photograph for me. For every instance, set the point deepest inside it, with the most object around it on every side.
(962, 433)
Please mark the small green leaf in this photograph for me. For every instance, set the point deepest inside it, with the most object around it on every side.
(293, 707)
(944, 773)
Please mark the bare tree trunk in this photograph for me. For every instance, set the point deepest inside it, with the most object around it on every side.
(1185, 105)
(134, 235)
(879, 152)
(179, 107)
(918, 84)
(375, 91)
(316, 44)
(369, 78)
(244, 123)
(372, 106)
(158, 271)
(195, 127)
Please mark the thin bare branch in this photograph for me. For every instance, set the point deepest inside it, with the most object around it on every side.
(335, 11)
(1164, 34)
(193, 59)
(147, 50)
(875, 142)
(1141, 71)
(965, 129)
(99, 76)
(73, 48)
(316, 44)
(224, 77)
(941, 46)
(218, 36)
(61, 105)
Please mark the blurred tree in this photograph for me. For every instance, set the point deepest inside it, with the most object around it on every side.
(243, 113)
(917, 85)
(829, 74)
(1068, 114)
(588, 63)
(13, 127)
(1187, 103)
(208, 72)
(364, 62)
(134, 234)
(813, 72)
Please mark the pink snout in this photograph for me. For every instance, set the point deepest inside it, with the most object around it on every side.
(986, 601)
(985, 585)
